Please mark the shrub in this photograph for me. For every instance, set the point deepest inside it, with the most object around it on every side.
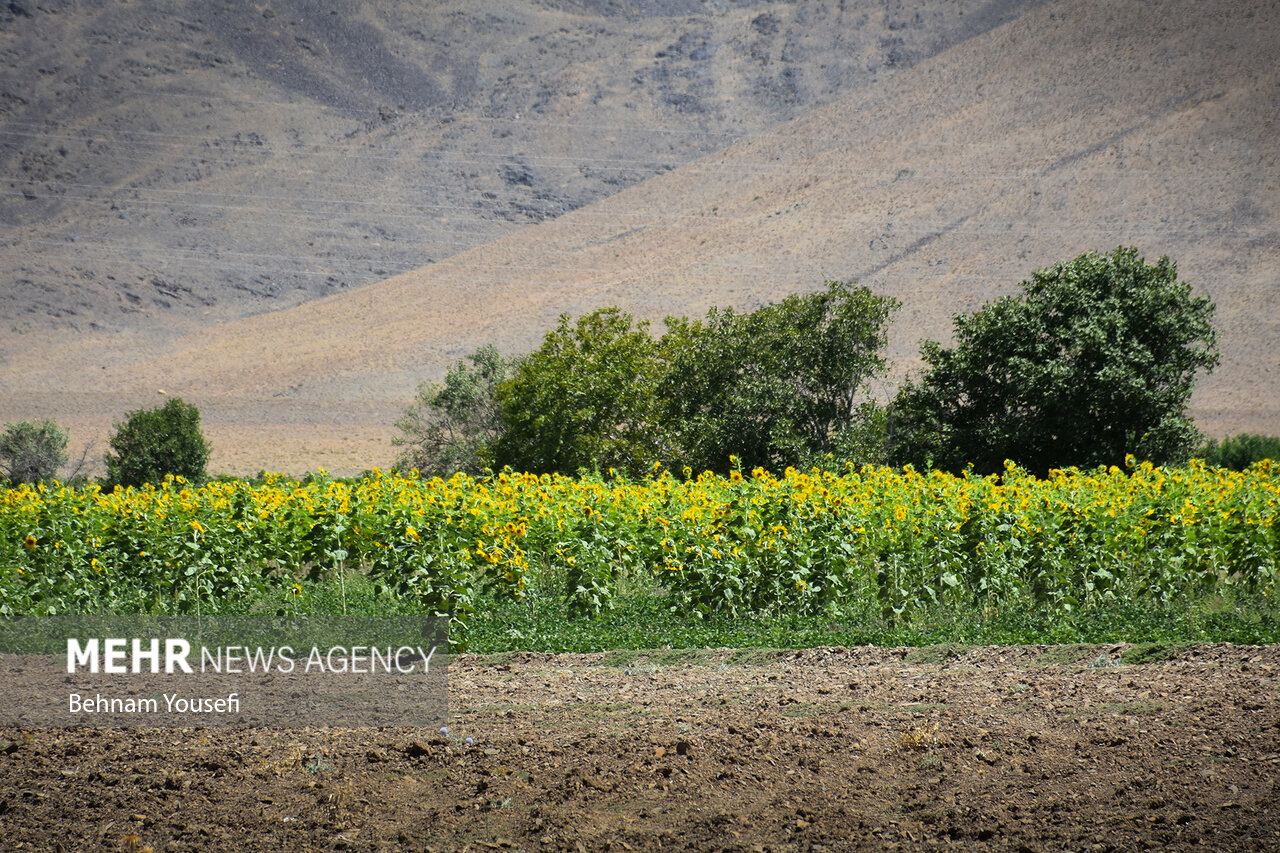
(154, 442)
(32, 452)
(1240, 451)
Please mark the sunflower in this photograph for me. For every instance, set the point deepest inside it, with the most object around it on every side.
(30, 541)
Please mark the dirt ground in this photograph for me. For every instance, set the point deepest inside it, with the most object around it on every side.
(1015, 748)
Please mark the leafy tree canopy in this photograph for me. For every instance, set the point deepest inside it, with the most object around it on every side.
(777, 386)
(1094, 359)
(584, 399)
(782, 385)
(451, 425)
(154, 442)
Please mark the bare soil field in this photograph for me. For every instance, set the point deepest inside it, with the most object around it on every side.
(1011, 748)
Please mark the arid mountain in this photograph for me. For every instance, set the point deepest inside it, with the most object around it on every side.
(170, 164)
(943, 181)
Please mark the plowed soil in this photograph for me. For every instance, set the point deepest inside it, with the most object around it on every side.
(1015, 748)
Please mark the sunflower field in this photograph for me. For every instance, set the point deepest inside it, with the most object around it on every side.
(892, 541)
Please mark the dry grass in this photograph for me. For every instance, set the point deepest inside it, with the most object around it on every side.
(919, 737)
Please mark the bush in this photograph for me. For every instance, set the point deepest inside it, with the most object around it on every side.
(1240, 451)
(32, 452)
(1095, 359)
(152, 443)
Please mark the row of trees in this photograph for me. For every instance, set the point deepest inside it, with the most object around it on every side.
(777, 385)
(1092, 360)
(148, 445)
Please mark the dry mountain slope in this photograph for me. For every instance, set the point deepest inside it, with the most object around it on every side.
(1077, 126)
(167, 165)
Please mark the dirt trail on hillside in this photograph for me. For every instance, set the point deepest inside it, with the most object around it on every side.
(1015, 748)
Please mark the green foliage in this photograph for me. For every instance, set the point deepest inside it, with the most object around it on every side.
(153, 443)
(643, 622)
(585, 399)
(451, 426)
(1238, 452)
(1073, 558)
(32, 452)
(783, 385)
(1093, 360)
(779, 385)
(865, 441)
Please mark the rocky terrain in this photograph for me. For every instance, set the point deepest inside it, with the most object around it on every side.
(170, 165)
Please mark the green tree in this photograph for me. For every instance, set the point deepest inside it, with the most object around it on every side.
(779, 386)
(451, 425)
(154, 442)
(1094, 359)
(32, 452)
(584, 399)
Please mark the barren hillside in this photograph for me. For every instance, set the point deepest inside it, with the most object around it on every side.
(167, 165)
(1075, 126)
